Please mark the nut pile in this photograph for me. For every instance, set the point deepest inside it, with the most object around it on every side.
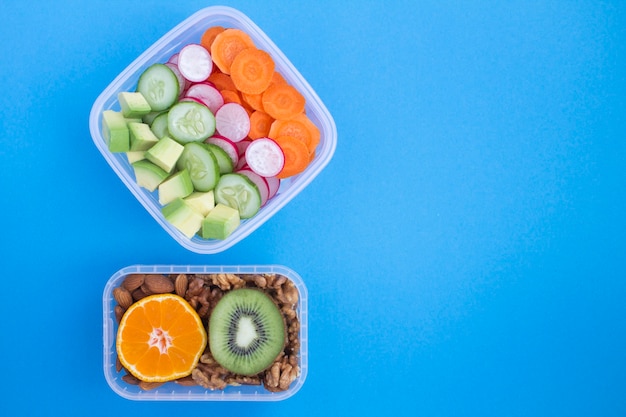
(203, 291)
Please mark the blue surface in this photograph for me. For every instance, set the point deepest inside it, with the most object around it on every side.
(463, 251)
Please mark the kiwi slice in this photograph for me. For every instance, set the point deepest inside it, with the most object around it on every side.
(246, 331)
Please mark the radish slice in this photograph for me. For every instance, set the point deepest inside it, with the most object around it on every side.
(195, 62)
(242, 164)
(173, 59)
(260, 183)
(208, 94)
(232, 121)
(227, 145)
(265, 157)
(242, 145)
(182, 81)
(273, 183)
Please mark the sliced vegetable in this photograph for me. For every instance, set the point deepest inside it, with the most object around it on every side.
(260, 182)
(265, 157)
(207, 94)
(194, 62)
(273, 183)
(260, 124)
(227, 45)
(224, 162)
(252, 70)
(159, 125)
(190, 122)
(209, 36)
(159, 85)
(283, 101)
(297, 156)
(201, 164)
(232, 121)
(227, 145)
(239, 192)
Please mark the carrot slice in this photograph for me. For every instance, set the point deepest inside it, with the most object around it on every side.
(222, 81)
(260, 123)
(282, 101)
(297, 156)
(277, 78)
(312, 128)
(209, 36)
(292, 128)
(227, 45)
(231, 96)
(254, 100)
(252, 70)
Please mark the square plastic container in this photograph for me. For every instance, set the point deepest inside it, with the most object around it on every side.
(190, 31)
(173, 391)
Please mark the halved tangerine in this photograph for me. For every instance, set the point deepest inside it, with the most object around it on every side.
(160, 338)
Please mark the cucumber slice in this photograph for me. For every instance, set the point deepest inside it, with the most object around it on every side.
(165, 153)
(148, 175)
(220, 222)
(189, 121)
(177, 186)
(223, 160)
(159, 125)
(201, 165)
(183, 217)
(238, 192)
(159, 85)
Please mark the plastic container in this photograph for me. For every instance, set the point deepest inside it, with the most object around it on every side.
(188, 31)
(172, 390)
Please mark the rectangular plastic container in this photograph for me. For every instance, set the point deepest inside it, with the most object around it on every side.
(190, 31)
(173, 391)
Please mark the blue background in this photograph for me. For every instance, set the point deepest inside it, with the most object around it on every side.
(463, 251)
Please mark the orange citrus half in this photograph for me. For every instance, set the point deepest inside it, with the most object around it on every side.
(160, 338)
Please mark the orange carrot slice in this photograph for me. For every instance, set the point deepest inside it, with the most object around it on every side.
(222, 81)
(231, 96)
(292, 128)
(260, 123)
(252, 70)
(283, 101)
(277, 78)
(255, 101)
(209, 36)
(227, 45)
(297, 156)
(312, 128)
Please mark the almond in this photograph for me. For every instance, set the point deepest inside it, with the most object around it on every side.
(157, 284)
(123, 297)
(133, 281)
(180, 284)
(119, 312)
(138, 294)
